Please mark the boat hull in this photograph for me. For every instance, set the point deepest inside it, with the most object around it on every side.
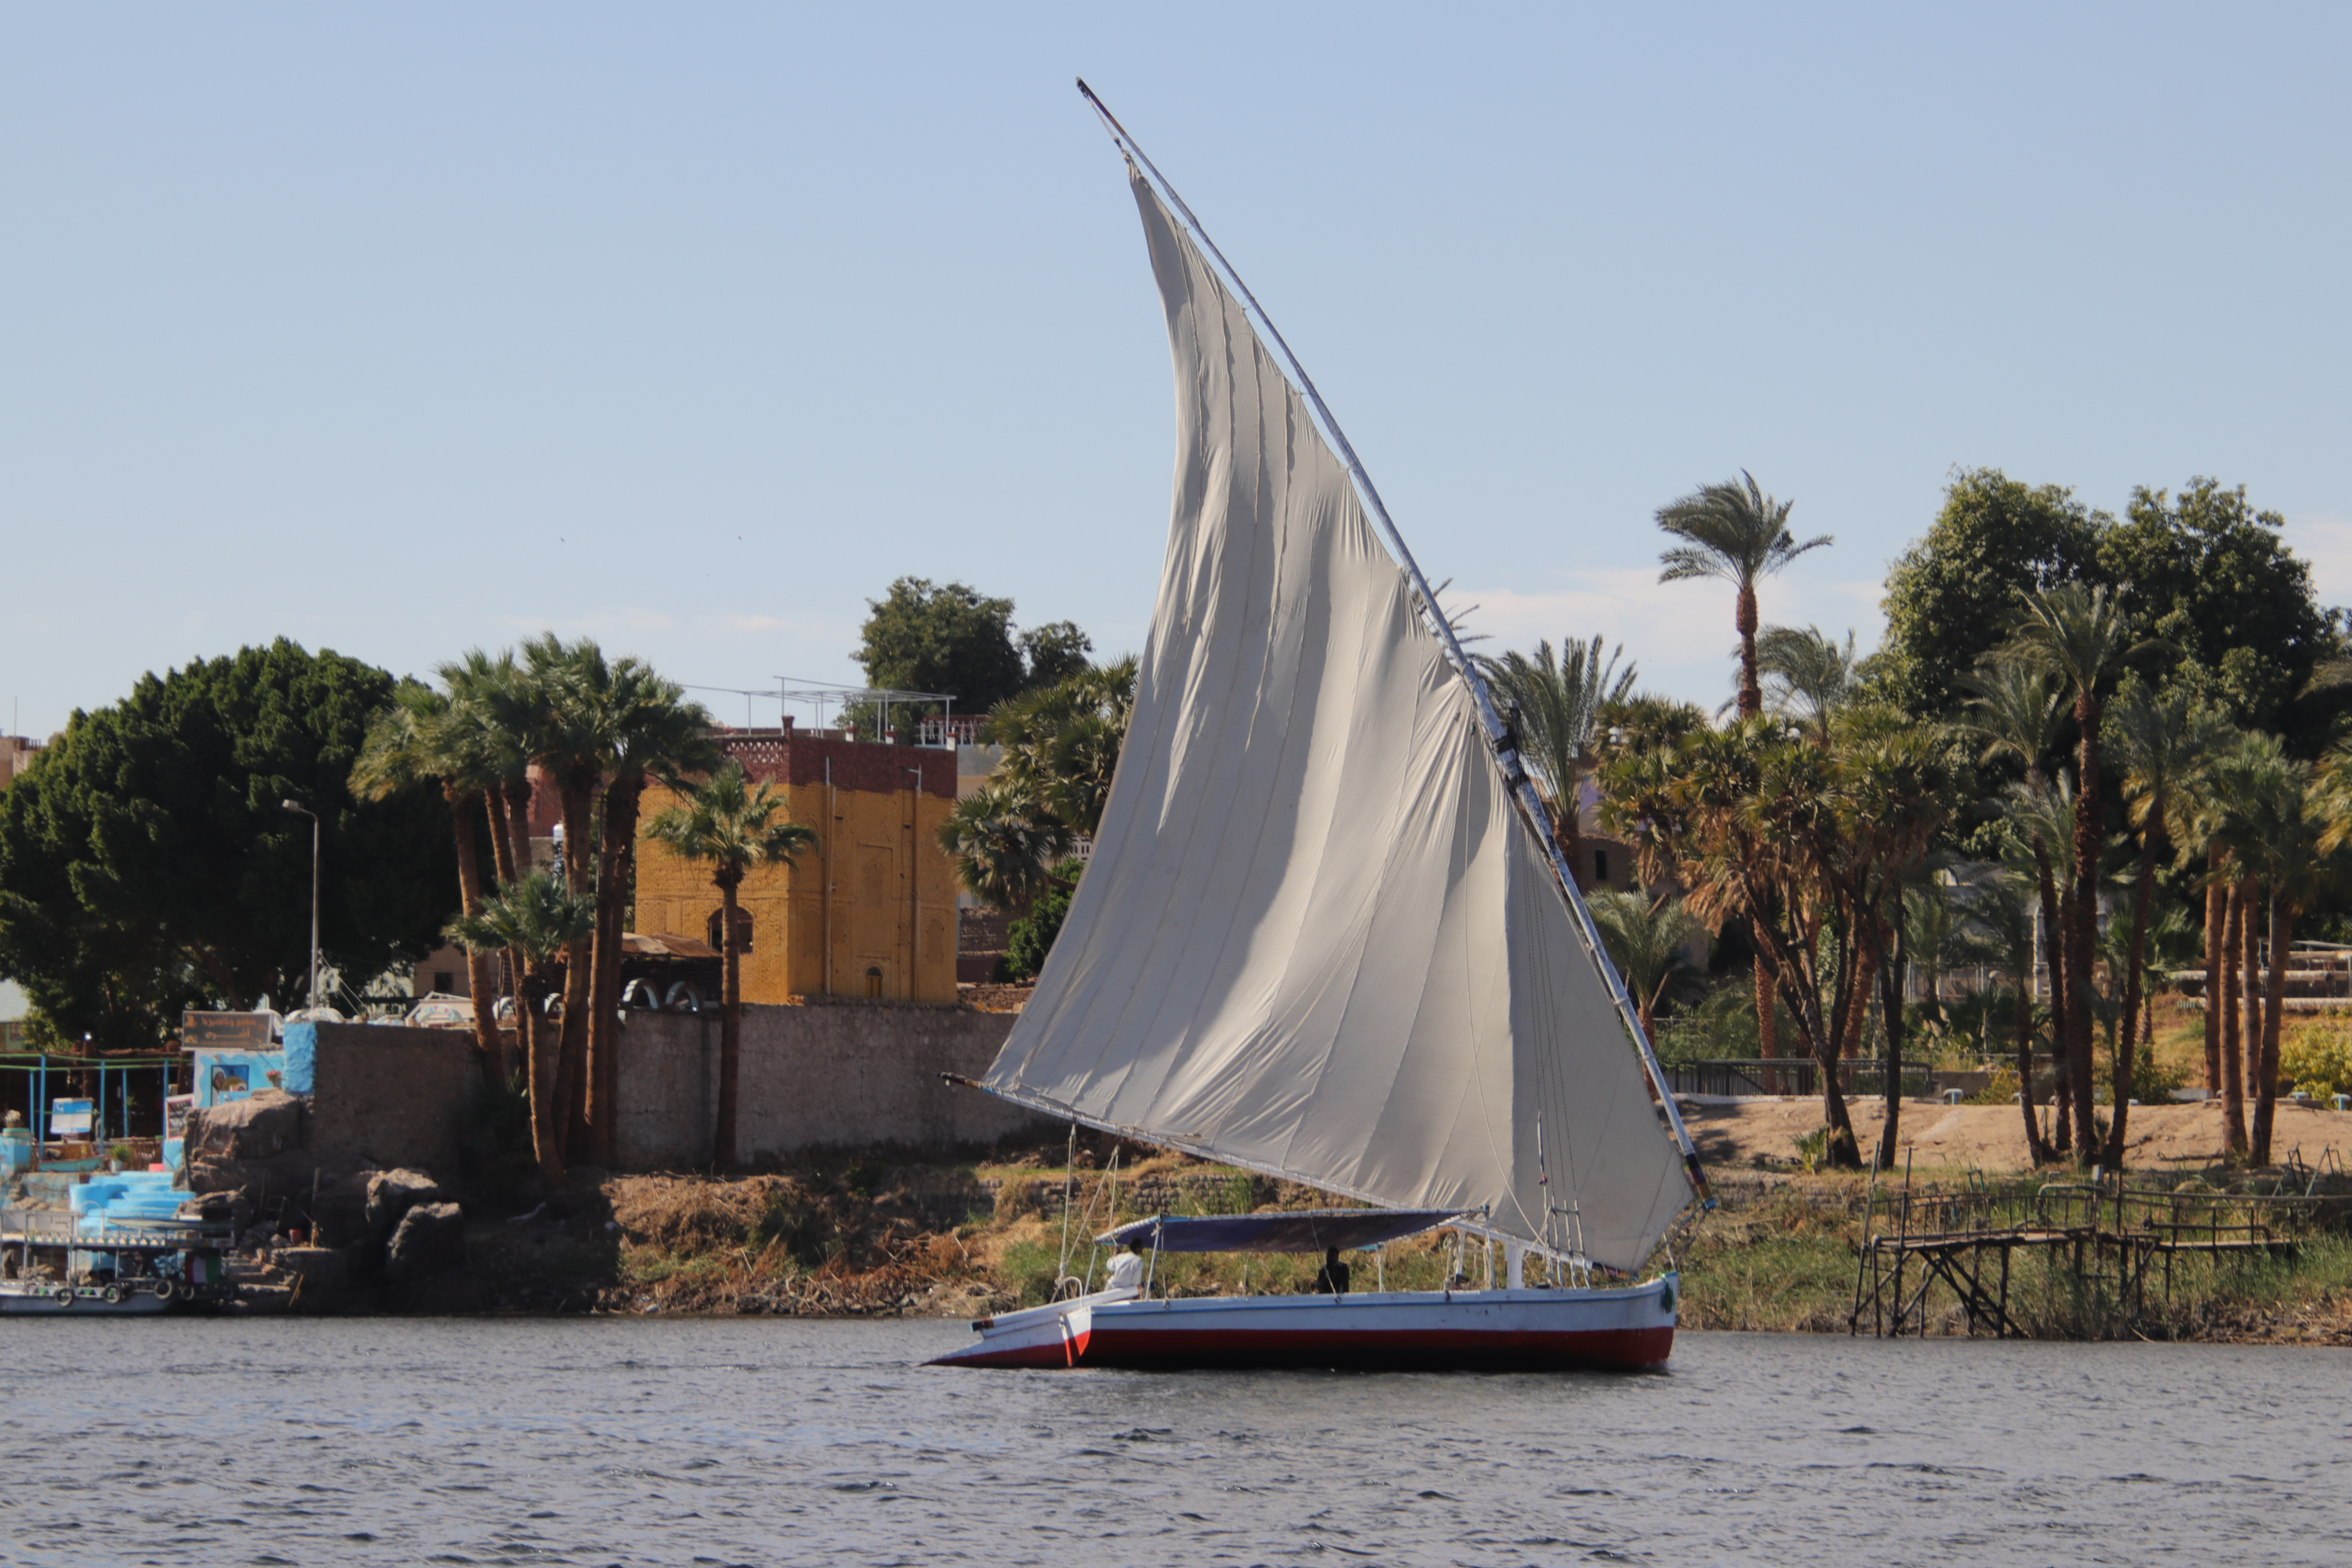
(1630, 1329)
(78, 1301)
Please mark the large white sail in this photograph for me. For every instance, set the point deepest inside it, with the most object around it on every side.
(1315, 938)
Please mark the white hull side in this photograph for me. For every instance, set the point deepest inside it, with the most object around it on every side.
(1497, 1331)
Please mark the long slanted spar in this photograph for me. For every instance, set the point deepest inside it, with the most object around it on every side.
(1325, 933)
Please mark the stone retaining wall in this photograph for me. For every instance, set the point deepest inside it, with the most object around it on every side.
(812, 1078)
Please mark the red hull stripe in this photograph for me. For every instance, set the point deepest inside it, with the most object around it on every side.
(1055, 1354)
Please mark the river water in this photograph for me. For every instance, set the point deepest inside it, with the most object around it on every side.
(773, 1441)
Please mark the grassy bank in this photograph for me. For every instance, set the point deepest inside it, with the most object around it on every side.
(853, 1239)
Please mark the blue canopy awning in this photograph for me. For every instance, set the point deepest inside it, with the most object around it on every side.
(1299, 1230)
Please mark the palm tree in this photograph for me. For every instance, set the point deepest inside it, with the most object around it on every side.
(560, 710)
(652, 732)
(540, 920)
(2159, 742)
(417, 739)
(2004, 908)
(2041, 814)
(1811, 676)
(485, 696)
(2013, 710)
(1003, 854)
(735, 828)
(2078, 635)
(2228, 804)
(1737, 533)
(1559, 704)
(1062, 743)
(1645, 938)
(2284, 831)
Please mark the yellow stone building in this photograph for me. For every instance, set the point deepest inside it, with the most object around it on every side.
(869, 912)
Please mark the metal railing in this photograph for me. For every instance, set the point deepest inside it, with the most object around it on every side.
(1792, 1075)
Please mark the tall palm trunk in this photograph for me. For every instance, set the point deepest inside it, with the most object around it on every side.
(2141, 895)
(2217, 920)
(1768, 1023)
(579, 962)
(2250, 987)
(2036, 1150)
(1866, 963)
(2234, 1060)
(538, 1033)
(615, 860)
(730, 1024)
(2083, 928)
(1751, 692)
(518, 793)
(491, 1056)
(1570, 833)
(2046, 890)
(1891, 976)
(503, 862)
(2064, 998)
(2266, 1059)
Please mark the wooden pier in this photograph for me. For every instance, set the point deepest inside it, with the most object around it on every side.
(2106, 1240)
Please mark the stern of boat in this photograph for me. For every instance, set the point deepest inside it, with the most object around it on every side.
(1048, 1337)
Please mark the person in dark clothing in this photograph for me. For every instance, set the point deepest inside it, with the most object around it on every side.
(1333, 1278)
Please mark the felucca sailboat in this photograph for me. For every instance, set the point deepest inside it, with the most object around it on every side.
(1327, 932)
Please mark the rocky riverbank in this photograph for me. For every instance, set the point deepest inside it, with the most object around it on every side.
(858, 1237)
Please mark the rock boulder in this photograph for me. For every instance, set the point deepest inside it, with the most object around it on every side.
(266, 1123)
(391, 1193)
(430, 1239)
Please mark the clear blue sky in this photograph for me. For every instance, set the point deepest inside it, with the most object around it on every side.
(403, 330)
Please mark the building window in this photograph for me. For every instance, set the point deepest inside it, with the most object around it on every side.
(873, 982)
(717, 926)
(1600, 867)
(445, 980)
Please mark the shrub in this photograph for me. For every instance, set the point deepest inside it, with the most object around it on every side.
(2001, 1091)
(2317, 1059)
(1028, 941)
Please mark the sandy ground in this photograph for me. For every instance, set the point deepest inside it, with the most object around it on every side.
(1992, 1137)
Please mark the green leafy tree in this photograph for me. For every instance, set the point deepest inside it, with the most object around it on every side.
(1810, 846)
(1054, 652)
(734, 827)
(146, 864)
(927, 636)
(539, 920)
(2226, 608)
(1950, 597)
(1030, 939)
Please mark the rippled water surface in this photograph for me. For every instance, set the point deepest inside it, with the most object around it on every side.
(770, 1441)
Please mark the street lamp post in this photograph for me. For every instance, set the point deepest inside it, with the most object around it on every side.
(313, 816)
